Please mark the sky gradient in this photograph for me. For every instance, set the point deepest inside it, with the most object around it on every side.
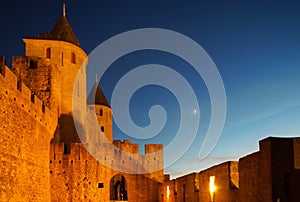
(255, 46)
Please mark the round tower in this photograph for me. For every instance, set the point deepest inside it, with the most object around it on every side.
(97, 101)
(62, 48)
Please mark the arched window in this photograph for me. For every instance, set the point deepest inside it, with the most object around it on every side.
(48, 53)
(101, 112)
(73, 59)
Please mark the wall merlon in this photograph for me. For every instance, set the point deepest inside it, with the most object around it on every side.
(151, 148)
(126, 142)
(20, 60)
(10, 77)
(25, 90)
(127, 146)
(2, 62)
(135, 148)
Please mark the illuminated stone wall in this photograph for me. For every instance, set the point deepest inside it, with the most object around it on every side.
(76, 176)
(26, 129)
(195, 186)
(62, 81)
(270, 174)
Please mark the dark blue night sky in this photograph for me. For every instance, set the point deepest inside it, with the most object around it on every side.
(254, 44)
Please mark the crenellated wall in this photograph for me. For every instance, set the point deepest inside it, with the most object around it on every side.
(76, 175)
(61, 57)
(64, 68)
(24, 98)
(27, 127)
(42, 77)
(110, 156)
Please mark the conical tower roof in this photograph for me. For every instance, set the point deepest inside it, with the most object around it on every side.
(97, 96)
(62, 31)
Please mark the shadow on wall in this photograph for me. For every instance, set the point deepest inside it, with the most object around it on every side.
(66, 131)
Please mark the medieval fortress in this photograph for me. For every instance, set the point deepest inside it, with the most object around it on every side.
(42, 157)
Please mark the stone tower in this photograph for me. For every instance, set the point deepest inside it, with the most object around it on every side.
(66, 60)
(98, 102)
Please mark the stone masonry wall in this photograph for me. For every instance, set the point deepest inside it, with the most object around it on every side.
(195, 186)
(36, 74)
(42, 77)
(264, 175)
(69, 78)
(26, 127)
(269, 174)
(104, 117)
(248, 171)
(60, 56)
(77, 176)
(285, 177)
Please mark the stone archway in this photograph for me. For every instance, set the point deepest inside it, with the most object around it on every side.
(118, 188)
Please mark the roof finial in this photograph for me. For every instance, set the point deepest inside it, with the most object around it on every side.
(64, 9)
(97, 78)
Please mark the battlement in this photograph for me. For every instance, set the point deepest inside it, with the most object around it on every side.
(108, 155)
(127, 146)
(107, 150)
(19, 94)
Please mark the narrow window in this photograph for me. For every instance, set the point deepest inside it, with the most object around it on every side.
(101, 112)
(78, 152)
(32, 97)
(102, 129)
(67, 149)
(32, 64)
(19, 85)
(48, 53)
(43, 108)
(73, 59)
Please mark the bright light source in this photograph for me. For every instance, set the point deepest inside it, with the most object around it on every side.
(168, 192)
(212, 187)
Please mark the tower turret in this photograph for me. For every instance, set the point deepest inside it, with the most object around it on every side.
(61, 49)
(98, 101)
